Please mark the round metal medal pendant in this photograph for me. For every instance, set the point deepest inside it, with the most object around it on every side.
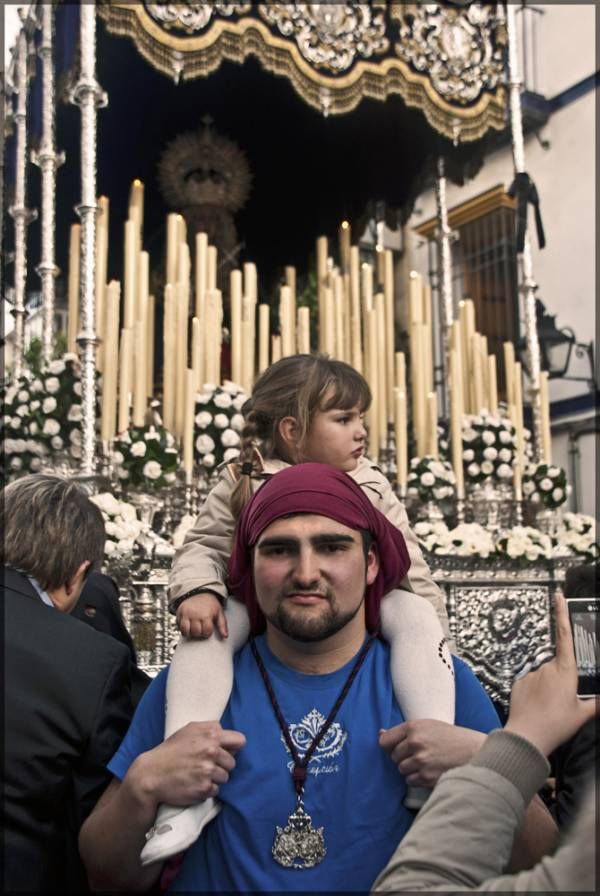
(299, 845)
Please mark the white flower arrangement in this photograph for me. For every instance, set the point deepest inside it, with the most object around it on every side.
(44, 411)
(218, 424)
(145, 456)
(524, 544)
(577, 533)
(465, 540)
(430, 479)
(121, 523)
(545, 484)
(488, 447)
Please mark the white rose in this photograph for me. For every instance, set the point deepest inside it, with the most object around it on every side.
(209, 388)
(221, 421)
(230, 387)
(75, 437)
(468, 455)
(56, 442)
(48, 405)
(22, 410)
(229, 438)
(138, 449)
(26, 445)
(74, 415)
(169, 440)
(427, 479)
(151, 435)
(33, 428)
(514, 549)
(504, 471)
(56, 367)
(51, 427)
(170, 477)
(488, 437)
(439, 493)
(34, 405)
(223, 400)
(546, 484)
(504, 455)
(125, 437)
(11, 394)
(468, 435)
(553, 472)
(77, 388)
(16, 463)
(230, 454)
(70, 357)
(76, 452)
(52, 385)
(36, 386)
(128, 512)
(204, 444)
(203, 397)
(473, 470)
(111, 528)
(487, 468)
(125, 545)
(152, 469)
(490, 453)
(35, 464)
(10, 446)
(15, 423)
(557, 494)
(209, 460)
(505, 437)
(109, 548)
(23, 395)
(239, 401)
(203, 419)
(535, 498)
(237, 422)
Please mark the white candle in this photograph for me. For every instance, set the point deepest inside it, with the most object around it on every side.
(275, 349)
(509, 371)
(492, 385)
(125, 356)
(235, 305)
(169, 348)
(211, 268)
(285, 323)
(382, 391)
(263, 337)
(290, 279)
(73, 288)
(415, 297)
(432, 439)
(129, 274)
(172, 243)
(197, 354)
(303, 330)
(400, 365)
(401, 443)
(388, 292)
(150, 346)
(181, 304)
(322, 277)
(338, 304)
(374, 384)
(111, 357)
(139, 384)
(545, 418)
(101, 274)
(456, 414)
(188, 428)
(329, 318)
(355, 315)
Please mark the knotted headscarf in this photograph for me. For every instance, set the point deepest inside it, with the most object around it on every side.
(322, 490)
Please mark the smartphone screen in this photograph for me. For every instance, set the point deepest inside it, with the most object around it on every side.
(584, 616)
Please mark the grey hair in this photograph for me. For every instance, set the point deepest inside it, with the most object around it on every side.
(50, 527)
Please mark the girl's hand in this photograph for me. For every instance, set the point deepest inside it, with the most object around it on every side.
(200, 615)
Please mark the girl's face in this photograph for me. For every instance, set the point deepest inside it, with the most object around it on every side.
(336, 437)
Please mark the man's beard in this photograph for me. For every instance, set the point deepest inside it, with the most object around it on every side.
(309, 628)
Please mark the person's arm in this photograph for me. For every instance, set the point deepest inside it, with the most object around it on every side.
(186, 768)
(202, 559)
(484, 802)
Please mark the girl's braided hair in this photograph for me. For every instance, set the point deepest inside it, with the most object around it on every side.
(296, 386)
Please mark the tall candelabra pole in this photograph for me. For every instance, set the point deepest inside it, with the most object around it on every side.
(444, 239)
(19, 212)
(528, 284)
(48, 160)
(88, 95)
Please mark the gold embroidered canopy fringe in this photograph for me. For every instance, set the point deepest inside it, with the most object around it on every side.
(445, 59)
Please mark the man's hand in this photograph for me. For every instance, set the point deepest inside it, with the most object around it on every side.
(188, 767)
(544, 706)
(424, 749)
(198, 616)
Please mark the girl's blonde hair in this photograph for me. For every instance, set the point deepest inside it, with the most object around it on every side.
(296, 386)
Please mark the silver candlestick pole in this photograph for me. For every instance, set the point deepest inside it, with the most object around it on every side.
(444, 238)
(528, 285)
(48, 161)
(19, 212)
(88, 95)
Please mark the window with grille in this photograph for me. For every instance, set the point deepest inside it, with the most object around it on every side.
(484, 266)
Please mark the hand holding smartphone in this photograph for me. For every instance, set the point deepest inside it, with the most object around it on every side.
(585, 621)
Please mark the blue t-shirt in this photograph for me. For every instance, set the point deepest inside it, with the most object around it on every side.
(353, 789)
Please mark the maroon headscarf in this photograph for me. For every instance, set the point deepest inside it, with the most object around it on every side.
(322, 490)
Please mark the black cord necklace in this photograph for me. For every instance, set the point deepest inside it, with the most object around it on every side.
(299, 844)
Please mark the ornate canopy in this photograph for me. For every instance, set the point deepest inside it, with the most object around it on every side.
(445, 59)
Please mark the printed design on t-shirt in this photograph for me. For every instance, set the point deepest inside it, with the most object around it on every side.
(302, 735)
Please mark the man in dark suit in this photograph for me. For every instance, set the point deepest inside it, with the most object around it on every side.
(99, 607)
(67, 692)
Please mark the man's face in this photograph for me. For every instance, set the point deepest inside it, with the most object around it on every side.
(310, 575)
